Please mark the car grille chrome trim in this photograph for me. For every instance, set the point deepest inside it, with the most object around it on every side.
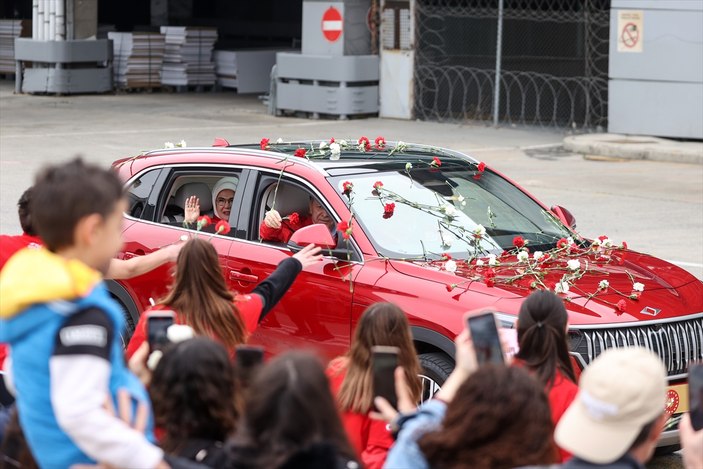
(677, 343)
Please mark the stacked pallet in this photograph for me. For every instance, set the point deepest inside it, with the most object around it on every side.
(9, 30)
(188, 55)
(138, 58)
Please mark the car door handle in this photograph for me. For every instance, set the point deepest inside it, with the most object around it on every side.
(242, 276)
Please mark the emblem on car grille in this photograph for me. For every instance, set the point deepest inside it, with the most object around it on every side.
(649, 311)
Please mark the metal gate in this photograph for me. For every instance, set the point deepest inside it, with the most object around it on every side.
(550, 56)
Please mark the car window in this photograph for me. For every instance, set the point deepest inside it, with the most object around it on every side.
(293, 203)
(138, 193)
(202, 186)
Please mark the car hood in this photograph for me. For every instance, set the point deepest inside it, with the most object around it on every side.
(669, 291)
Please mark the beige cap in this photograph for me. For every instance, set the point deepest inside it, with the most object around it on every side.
(619, 393)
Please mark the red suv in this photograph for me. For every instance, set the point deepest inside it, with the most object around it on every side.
(429, 229)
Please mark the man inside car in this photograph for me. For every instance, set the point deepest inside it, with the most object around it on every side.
(279, 229)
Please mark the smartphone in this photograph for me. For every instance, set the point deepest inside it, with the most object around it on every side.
(484, 335)
(247, 359)
(384, 361)
(157, 324)
(695, 394)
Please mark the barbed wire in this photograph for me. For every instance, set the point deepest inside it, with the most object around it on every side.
(553, 74)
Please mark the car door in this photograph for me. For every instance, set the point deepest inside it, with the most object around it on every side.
(154, 232)
(316, 310)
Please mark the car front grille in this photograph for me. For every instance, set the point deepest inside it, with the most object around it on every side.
(677, 343)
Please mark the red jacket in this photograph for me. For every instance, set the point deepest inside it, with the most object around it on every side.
(370, 438)
(9, 245)
(249, 307)
(283, 234)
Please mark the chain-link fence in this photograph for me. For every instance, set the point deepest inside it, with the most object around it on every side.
(552, 63)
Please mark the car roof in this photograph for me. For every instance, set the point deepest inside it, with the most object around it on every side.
(352, 159)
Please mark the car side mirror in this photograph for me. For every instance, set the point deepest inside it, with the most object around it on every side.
(317, 234)
(565, 216)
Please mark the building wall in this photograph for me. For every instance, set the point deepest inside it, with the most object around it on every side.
(656, 86)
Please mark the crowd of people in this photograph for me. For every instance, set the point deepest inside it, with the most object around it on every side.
(78, 400)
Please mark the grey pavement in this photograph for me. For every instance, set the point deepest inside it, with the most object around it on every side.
(635, 147)
(657, 207)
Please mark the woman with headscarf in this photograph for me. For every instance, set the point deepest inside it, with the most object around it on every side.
(222, 200)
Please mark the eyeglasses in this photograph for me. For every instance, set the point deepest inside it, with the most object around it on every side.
(223, 201)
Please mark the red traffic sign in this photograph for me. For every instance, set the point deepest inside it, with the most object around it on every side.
(332, 24)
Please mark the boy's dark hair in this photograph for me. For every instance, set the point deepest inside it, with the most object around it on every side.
(64, 194)
(24, 213)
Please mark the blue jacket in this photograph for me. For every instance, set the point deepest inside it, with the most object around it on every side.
(405, 452)
(29, 321)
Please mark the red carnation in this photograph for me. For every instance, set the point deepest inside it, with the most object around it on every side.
(294, 218)
(621, 306)
(332, 140)
(364, 144)
(480, 168)
(518, 242)
(450, 286)
(562, 243)
(264, 143)
(380, 143)
(490, 273)
(388, 210)
(203, 221)
(602, 238)
(489, 282)
(222, 227)
(347, 187)
(300, 152)
(377, 187)
(446, 256)
(624, 245)
(344, 228)
(436, 163)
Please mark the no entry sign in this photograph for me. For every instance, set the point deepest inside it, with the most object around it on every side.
(332, 24)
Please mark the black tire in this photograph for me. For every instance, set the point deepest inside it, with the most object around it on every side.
(436, 368)
(125, 335)
(666, 450)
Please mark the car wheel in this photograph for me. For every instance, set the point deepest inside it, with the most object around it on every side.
(436, 368)
(126, 334)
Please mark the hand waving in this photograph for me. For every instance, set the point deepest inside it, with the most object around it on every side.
(309, 255)
(192, 209)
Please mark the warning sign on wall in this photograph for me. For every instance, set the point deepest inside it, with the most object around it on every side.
(630, 30)
(332, 24)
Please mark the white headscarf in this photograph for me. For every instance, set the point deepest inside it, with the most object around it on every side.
(221, 185)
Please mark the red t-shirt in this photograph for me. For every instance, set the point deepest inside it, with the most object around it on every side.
(9, 245)
(370, 438)
(282, 234)
(249, 307)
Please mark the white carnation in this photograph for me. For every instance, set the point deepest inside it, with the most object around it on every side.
(408, 166)
(607, 242)
(522, 256)
(335, 151)
(323, 145)
(279, 140)
(574, 264)
(181, 144)
(448, 210)
(538, 255)
(492, 261)
(169, 145)
(637, 286)
(450, 266)
(479, 231)
(479, 262)
(561, 287)
(603, 285)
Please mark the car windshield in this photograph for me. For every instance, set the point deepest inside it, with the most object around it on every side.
(445, 209)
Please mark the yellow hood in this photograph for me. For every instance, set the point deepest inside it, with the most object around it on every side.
(38, 276)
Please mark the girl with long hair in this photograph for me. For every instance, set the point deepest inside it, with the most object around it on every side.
(200, 298)
(352, 383)
(194, 392)
(544, 350)
(291, 419)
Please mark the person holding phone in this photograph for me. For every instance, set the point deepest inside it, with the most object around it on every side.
(354, 377)
(200, 298)
(544, 351)
(486, 416)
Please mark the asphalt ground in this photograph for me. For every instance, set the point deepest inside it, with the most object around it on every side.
(656, 206)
